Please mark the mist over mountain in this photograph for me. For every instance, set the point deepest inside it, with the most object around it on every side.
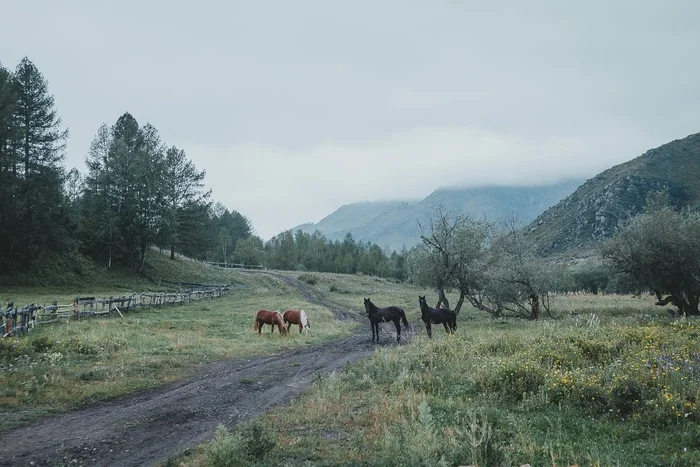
(395, 224)
(605, 203)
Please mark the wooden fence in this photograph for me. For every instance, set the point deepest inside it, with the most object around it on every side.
(236, 265)
(18, 321)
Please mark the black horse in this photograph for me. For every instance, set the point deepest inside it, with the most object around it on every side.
(431, 316)
(378, 315)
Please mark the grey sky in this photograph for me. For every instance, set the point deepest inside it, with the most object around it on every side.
(295, 108)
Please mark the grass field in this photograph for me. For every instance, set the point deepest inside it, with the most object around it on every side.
(61, 366)
(613, 381)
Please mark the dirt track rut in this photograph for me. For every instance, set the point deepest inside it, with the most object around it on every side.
(148, 427)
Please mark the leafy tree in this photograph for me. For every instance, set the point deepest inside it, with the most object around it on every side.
(659, 250)
(518, 281)
(451, 256)
(591, 277)
(495, 272)
(250, 250)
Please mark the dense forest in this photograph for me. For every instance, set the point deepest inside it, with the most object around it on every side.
(137, 193)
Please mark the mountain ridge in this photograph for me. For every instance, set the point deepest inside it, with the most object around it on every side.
(604, 204)
(395, 224)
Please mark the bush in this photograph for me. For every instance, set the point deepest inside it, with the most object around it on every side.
(42, 344)
(309, 278)
(250, 444)
(513, 380)
(75, 345)
(13, 348)
(257, 439)
(224, 450)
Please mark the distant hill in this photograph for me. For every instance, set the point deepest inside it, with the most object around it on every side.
(603, 204)
(395, 224)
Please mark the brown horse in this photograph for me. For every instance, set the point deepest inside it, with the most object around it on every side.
(297, 317)
(273, 318)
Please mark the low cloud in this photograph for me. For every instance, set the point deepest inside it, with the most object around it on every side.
(279, 188)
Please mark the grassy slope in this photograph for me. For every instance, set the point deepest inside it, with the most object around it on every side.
(613, 384)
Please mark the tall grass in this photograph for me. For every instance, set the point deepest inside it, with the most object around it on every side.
(590, 390)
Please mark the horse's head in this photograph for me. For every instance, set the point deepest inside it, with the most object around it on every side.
(368, 305)
(281, 325)
(421, 302)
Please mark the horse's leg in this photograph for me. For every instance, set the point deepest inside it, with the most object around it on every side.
(375, 326)
(397, 323)
(447, 328)
(289, 325)
(429, 328)
(260, 326)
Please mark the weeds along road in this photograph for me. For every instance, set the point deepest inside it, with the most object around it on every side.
(148, 427)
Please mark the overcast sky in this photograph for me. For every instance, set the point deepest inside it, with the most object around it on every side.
(295, 108)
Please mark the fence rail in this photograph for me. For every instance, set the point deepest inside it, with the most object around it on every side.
(14, 321)
(235, 265)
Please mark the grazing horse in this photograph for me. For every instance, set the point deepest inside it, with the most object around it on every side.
(430, 316)
(378, 315)
(273, 318)
(297, 317)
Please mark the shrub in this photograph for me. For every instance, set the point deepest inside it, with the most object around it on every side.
(42, 343)
(309, 278)
(513, 380)
(257, 439)
(13, 348)
(75, 345)
(224, 450)
(250, 444)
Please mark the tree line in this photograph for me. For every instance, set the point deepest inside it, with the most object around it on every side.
(496, 269)
(137, 193)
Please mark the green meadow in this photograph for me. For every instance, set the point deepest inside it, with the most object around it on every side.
(613, 380)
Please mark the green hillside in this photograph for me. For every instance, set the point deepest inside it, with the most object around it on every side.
(603, 204)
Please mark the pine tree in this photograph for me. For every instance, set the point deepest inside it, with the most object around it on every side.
(8, 163)
(37, 167)
(124, 195)
(182, 192)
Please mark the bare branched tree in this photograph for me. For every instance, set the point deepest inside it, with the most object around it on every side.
(496, 272)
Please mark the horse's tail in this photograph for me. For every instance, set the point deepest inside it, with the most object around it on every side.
(403, 317)
(256, 326)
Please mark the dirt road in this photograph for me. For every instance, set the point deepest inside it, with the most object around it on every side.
(149, 427)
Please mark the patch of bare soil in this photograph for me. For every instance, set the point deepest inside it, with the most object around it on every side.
(149, 427)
